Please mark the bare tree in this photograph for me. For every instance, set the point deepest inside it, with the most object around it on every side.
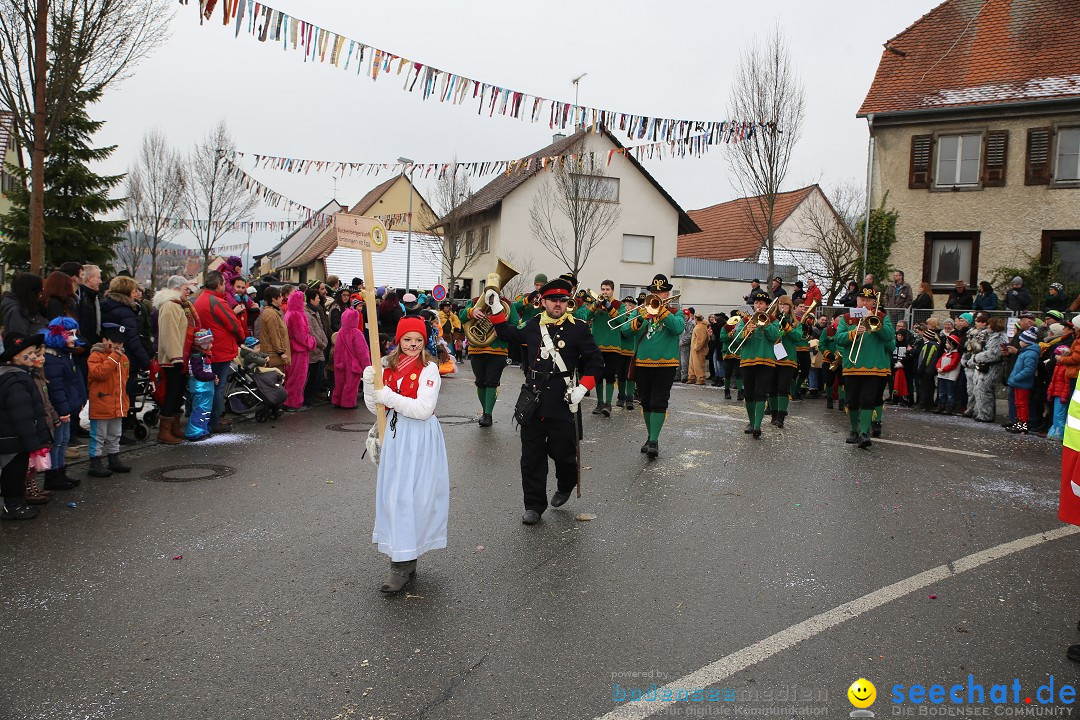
(767, 92)
(214, 195)
(522, 283)
(829, 229)
(460, 247)
(574, 209)
(54, 51)
(131, 250)
(156, 186)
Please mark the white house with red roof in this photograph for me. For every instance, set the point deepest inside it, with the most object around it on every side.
(974, 118)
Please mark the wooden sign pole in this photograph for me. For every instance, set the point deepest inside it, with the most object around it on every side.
(367, 235)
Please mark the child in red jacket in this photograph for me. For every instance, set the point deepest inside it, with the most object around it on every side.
(948, 370)
(1058, 393)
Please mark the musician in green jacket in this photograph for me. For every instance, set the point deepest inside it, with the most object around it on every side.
(732, 374)
(866, 343)
(628, 386)
(786, 366)
(489, 359)
(604, 313)
(657, 360)
(757, 360)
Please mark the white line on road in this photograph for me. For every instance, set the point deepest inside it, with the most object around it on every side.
(887, 442)
(939, 449)
(764, 649)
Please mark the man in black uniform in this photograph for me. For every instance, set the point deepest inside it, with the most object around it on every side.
(556, 344)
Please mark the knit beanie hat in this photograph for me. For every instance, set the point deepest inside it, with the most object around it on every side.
(410, 324)
(203, 337)
(1029, 336)
(1056, 315)
(1075, 322)
(967, 317)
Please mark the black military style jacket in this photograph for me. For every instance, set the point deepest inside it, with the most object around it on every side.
(575, 344)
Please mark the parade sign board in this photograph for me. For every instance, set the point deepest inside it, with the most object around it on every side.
(360, 233)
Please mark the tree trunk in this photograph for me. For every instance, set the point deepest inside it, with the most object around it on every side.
(37, 156)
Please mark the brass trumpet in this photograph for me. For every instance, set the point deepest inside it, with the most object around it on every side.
(654, 303)
(872, 323)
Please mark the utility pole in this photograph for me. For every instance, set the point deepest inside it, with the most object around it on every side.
(37, 155)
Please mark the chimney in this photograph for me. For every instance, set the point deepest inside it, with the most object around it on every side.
(557, 137)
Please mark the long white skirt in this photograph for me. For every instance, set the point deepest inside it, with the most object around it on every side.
(412, 490)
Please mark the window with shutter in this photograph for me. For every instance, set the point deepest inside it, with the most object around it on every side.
(1068, 155)
(1037, 171)
(921, 153)
(994, 158)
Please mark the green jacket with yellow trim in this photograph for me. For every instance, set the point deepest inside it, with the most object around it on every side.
(607, 339)
(726, 339)
(628, 334)
(658, 340)
(525, 310)
(875, 355)
(758, 348)
(497, 346)
(791, 340)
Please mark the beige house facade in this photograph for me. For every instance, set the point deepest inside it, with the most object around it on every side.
(975, 137)
(496, 224)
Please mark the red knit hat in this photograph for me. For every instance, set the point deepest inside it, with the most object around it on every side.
(410, 324)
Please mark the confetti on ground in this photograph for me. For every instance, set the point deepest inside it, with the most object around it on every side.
(933, 597)
(479, 548)
(585, 517)
(178, 557)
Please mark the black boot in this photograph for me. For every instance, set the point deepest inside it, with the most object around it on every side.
(740, 396)
(645, 447)
(749, 428)
(853, 438)
(54, 480)
(864, 441)
(98, 469)
(841, 405)
(485, 420)
(605, 409)
(116, 465)
(780, 419)
(17, 509)
(654, 449)
(629, 403)
(774, 417)
(599, 407)
(829, 403)
(727, 394)
(875, 429)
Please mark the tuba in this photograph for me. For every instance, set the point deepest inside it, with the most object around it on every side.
(481, 333)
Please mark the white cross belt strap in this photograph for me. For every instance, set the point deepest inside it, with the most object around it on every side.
(550, 351)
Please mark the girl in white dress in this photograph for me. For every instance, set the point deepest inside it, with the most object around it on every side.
(412, 490)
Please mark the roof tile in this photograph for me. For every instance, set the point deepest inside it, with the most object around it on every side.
(727, 230)
(977, 52)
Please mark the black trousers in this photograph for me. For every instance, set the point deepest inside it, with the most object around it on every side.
(613, 366)
(864, 392)
(174, 391)
(542, 439)
(488, 369)
(13, 477)
(732, 372)
(654, 386)
(802, 357)
(757, 381)
(781, 380)
(926, 390)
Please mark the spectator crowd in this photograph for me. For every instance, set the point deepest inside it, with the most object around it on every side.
(85, 364)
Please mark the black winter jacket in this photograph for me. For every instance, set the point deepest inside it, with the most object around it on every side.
(67, 390)
(115, 310)
(24, 427)
(89, 316)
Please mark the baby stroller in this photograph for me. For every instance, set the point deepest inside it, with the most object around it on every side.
(145, 403)
(255, 391)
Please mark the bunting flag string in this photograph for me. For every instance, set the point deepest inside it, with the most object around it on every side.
(695, 146)
(238, 226)
(276, 199)
(317, 44)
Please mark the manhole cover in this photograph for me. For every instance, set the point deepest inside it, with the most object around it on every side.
(189, 473)
(361, 426)
(458, 419)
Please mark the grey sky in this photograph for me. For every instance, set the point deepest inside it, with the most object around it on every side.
(642, 57)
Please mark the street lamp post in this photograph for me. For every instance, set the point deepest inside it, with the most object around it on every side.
(408, 241)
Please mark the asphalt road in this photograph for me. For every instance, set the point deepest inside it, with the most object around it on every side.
(255, 595)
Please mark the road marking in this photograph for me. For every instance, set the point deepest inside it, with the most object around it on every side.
(764, 649)
(939, 449)
(887, 442)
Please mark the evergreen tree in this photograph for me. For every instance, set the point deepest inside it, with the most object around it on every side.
(75, 199)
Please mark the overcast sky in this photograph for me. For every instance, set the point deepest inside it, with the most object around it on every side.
(643, 57)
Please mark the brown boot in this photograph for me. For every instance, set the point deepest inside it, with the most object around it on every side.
(164, 434)
(400, 574)
(178, 423)
(34, 495)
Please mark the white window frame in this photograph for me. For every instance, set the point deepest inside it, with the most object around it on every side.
(652, 248)
(1057, 157)
(963, 138)
(615, 180)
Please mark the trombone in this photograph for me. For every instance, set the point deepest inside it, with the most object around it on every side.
(759, 320)
(654, 303)
(631, 313)
(872, 324)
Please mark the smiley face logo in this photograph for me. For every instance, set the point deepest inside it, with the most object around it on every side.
(862, 693)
